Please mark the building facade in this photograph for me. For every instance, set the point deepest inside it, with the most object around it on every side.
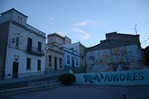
(55, 51)
(22, 46)
(54, 57)
(72, 55)
(118, 52)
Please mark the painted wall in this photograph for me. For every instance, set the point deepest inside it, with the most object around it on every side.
(69, 50)
(71, 57)
(114, 59)
(132, 77)
(21, 57)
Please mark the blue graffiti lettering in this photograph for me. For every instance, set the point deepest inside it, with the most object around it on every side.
(113, 77)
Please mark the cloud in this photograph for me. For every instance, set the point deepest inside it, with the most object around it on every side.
(82, 34)
(83, 23)
(51, 19)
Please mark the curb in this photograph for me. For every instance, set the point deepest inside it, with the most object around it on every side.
(16, 91)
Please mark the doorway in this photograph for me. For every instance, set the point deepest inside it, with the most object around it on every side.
(15, 69)
(55, 63)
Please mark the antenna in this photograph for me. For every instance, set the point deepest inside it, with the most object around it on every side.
(135, 28)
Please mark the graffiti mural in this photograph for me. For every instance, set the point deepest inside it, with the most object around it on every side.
(114, 59)
(105, 56)
(99, 61)
(120, 67)
(92, 58)
(119, 54)
(130, 56)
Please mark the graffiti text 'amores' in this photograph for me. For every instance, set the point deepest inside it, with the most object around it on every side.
(113, 77)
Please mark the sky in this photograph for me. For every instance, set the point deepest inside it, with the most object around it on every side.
(85, 21)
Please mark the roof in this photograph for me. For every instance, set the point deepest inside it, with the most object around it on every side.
(55, 34)
(13, 10)
(123, 34)
(107, 44)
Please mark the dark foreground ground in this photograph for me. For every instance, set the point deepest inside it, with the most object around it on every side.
(87, 92)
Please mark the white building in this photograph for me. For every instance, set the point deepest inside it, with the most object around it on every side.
(22, 46)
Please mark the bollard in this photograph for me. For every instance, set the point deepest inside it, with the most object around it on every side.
(124, 96)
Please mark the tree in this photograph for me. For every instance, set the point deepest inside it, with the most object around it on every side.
(146, 52)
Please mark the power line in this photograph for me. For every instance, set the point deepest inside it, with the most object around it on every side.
(145, 40)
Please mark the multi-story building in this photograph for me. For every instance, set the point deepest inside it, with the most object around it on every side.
(54, 57)
(21, 46)
(117, 52)
(55, 52)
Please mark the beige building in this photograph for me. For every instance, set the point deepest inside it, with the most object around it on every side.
(55, 52)
(54, 57)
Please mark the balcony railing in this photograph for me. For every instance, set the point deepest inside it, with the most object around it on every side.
(35, 51)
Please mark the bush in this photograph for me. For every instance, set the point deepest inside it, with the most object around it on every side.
(67, 79)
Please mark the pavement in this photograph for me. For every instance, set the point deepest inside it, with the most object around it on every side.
(31, 78)
(87, 92)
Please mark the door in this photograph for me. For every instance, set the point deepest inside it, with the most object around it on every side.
(73, 62)
(55, 63)
(15, 69)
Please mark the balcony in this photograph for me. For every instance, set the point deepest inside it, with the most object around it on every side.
(35, 51)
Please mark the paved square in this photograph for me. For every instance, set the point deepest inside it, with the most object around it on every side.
(87, 92)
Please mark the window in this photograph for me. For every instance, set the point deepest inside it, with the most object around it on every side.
(51, 40)
(17, 41)
(38, 64)
(50, 60)
(77, 61)
(68, 59)
(60, 62)
(28, 64)
(39, 46)
(19, 19)
(29, 44)
(13, 40)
